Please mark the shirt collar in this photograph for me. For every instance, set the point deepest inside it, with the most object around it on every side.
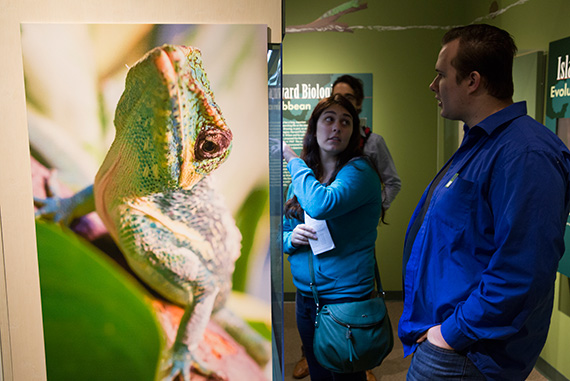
(493, 121)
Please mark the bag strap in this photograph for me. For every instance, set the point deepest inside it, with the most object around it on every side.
(313, 285)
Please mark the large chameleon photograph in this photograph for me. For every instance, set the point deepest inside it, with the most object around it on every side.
(149, 157)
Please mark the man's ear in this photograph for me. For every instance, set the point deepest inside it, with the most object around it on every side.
(475, 81)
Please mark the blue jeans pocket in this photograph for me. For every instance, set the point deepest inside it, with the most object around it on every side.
(431, 362)
(432, 347)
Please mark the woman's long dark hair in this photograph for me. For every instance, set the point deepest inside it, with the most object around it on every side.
(311, 152)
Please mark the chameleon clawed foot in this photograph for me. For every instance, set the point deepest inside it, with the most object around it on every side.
(51, 206)
(181, 361)
(63, 210)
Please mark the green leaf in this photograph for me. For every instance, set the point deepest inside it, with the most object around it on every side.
(97, 324)
(247, 220)
(262, 328)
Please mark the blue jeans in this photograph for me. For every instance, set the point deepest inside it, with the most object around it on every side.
(431, 362)
(306, 312)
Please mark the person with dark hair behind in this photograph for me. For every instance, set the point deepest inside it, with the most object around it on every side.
(483, 245)
(331, 181)
(374, 144)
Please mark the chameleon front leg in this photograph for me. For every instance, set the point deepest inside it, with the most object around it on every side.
(64, 209)
(190, 333)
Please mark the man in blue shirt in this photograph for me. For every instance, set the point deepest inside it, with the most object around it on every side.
(483, 245)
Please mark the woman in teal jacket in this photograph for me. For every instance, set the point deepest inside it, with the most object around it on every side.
(331, 181)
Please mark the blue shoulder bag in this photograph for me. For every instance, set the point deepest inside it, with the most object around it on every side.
(354, 336)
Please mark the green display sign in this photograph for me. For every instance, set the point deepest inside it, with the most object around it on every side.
(558, 113)
(301, 93)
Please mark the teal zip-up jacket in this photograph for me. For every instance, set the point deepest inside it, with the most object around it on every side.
(351, 205)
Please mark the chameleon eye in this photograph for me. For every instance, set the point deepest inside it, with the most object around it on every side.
(212, 143)
(209, 147)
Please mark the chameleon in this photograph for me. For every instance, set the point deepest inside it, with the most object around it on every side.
(155, 197)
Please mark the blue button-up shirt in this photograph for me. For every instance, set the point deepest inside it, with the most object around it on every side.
(483, 261)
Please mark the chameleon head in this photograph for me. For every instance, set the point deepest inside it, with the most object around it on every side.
(168, 111)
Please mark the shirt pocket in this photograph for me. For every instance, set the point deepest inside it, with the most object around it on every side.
(454, 205)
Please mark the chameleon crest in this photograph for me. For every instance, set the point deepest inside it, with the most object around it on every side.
(181, 134)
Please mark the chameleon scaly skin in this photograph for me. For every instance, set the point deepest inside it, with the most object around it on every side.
(153, 195)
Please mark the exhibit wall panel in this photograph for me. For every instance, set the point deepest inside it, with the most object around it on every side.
(22, 349)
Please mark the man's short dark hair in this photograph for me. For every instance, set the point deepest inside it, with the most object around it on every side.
(356, 85)
(487, 50)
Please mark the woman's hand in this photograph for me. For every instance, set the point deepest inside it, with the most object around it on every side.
(288, 152)
(301, 235)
